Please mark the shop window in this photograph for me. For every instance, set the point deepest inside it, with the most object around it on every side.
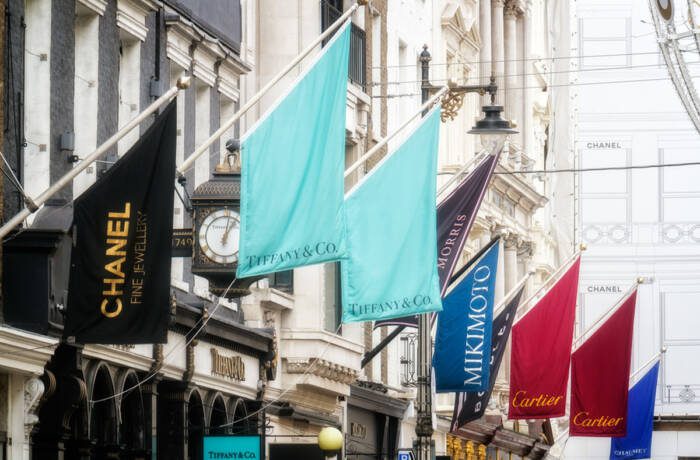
(282, 281)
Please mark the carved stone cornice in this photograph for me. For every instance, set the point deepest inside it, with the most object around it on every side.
(321, 368)
(512, 241)
(513, 8)
(526, 248)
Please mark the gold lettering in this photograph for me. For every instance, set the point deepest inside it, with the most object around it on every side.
(543, 400)
(118, 228)
(115, 267)
(116, 248)
(113, 282)
(122, 215)
(114, 312)
(227, 366)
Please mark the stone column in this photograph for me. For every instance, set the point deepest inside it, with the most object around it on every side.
(485, 36)
(527, 82)
(497, 48)
(512, 81)
(149, 393)
(511, 261)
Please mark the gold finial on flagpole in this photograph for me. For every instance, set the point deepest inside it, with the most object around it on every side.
(184, 82)
(640, 280)
(583, 246)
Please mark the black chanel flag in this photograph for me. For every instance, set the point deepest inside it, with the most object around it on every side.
(120, 264)
(471, 405)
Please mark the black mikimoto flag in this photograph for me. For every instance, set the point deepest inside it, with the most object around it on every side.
(119, 285)
(471, 405)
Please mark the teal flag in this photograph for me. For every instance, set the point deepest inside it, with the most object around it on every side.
(293, 162)
(391, 269)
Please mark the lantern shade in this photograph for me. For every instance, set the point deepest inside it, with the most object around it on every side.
(492, 123)
(330, 439)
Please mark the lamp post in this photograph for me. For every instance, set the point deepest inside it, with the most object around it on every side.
(493, 130)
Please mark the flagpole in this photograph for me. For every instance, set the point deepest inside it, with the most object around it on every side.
(650, 361)
(497, 311)
(385, 140)
(34, 205)
(457, 174)
(553, 276)
(607, 314)
(254, 100)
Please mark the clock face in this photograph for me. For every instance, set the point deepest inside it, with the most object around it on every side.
(218, 236)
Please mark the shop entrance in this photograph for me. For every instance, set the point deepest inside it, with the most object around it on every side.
(295, 452)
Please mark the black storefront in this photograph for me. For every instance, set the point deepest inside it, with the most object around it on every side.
(373, 422)
(131, 402)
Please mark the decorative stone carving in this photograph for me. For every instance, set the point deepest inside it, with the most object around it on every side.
(33, 391)
(189, 361)
(321, 368)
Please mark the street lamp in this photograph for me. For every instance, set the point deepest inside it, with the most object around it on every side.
(330, 440)
(493, 131)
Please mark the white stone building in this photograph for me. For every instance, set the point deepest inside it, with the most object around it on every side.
(639, 222)
(319, 380)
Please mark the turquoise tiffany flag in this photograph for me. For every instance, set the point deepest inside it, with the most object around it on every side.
(292, 172)
(391, 269)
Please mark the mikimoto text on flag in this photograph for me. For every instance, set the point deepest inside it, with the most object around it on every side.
(293, 162)
(540, 353)
(391, 269)
(465, 325)
(600, 370)
(119, 288)
(455, 215)
(640, 420)
(472, 405)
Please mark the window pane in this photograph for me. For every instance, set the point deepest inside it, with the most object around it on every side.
(682, 178)
(605, 28)
(681, 321)
(681, 209)
(595, 48)
(609, 210)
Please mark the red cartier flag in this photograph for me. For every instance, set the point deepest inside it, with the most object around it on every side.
(541, 350)
(600, 372)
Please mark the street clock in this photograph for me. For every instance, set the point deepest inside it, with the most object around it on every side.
(216, 207)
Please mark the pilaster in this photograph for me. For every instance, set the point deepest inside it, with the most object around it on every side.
(498, 48)
(172, 419)
(512, 81)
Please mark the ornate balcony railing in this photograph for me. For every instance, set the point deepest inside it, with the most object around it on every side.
(358, 59)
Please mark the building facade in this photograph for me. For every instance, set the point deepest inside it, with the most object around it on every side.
(639, 222)
(77, 70)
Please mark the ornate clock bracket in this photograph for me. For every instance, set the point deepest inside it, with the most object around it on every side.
(212, 242)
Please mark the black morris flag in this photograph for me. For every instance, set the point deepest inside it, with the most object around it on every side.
(122, 229)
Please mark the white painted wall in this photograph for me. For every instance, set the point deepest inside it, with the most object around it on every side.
(639, 223)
